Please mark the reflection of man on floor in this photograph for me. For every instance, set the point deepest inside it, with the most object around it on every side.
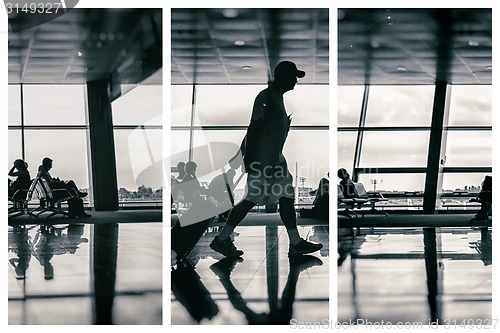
(44, 245)
(278, 315)
(53, 241)
(19, 243)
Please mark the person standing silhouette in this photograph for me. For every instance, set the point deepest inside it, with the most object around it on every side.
(268, 180)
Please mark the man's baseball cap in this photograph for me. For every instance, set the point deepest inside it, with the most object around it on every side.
(287, 68)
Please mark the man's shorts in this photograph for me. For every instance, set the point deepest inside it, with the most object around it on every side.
(267, 186)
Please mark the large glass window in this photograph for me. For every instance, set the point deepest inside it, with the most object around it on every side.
(232, 138)
(308, 105)
(393, 182)
(181, 105)
(66, 148)
(469, 149)
(55, 127)
(15, 151)
(138, 150)
(457, 189)
(138, 158)
(54, 105)
(392, 144)
(179, 148)
(467, 146)
(307, 155)
(399, 106)
(470, 106)
(225, 105)
(14, 105)
(46, 106)
(470, 182)
(394, 149)
(349, 100)
(140, 106)
(346, 146)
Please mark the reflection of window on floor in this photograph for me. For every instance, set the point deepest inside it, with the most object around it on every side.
(393, 138)
(222, 113)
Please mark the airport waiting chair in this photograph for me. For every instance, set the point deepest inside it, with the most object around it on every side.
(20, 199)
(372, 197)
(348, 203)
(50, 199)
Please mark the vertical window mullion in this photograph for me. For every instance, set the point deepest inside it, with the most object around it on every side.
(359, 139)
(22, 124)
(191, 127)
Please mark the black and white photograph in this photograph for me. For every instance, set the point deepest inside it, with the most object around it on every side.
(414, 166)
(249, 166)
(85, 165)
(197, 195)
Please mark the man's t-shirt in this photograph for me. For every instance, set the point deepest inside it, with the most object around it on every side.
(268, 130)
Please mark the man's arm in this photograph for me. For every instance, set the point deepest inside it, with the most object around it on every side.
(13, 173)
(258, 118)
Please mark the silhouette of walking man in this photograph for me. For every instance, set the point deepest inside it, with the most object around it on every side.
(268, 180)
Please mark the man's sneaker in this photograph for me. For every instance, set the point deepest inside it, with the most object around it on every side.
(303, 247)
(225, 247)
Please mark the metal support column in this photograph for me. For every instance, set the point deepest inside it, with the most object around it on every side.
(437, 147)
(102, 146)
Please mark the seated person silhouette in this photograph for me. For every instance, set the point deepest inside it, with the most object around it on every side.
(181, 168)
(321, 201)
(201, 205)
(23, 181)
(75, 203)
(175, 181)
(220, 188)
(190, 184)
(485, 198)
(346, 184)
(55, 183)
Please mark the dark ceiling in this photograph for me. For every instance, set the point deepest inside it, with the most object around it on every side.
(123, 45)
(236, 46)
(241, 46)
(414, 46)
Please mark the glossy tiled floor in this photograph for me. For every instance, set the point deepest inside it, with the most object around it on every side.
(263, 287)
(414, 275)
(86, 274)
